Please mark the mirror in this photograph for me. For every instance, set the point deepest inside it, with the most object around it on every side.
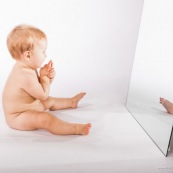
(152, 73)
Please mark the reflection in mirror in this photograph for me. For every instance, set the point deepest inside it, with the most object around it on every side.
(152, 74)
(170, 149)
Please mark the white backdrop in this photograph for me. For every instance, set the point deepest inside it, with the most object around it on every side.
(92, 43)
(152, 69)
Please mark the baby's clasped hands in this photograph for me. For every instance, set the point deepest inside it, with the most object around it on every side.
(48, 70)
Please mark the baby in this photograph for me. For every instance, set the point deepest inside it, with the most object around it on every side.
(26, 93)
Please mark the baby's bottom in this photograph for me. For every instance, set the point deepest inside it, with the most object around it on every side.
(33, 120)
(38, 119)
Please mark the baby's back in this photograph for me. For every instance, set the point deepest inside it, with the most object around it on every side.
(15, 99)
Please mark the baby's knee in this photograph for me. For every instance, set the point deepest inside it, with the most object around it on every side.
(45, 120)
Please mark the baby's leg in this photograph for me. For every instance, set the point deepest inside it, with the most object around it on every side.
(167, 104)
(33, 120)
(53, 103)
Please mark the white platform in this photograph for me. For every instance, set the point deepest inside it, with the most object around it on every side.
(116, 143)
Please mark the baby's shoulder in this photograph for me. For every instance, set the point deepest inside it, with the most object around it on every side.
(23, 73)
(27, 73)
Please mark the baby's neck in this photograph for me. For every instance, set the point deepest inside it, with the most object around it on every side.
(23, 64)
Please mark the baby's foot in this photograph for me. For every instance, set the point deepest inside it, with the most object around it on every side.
(162, 100)
(76, 99)
(83, 129)
(167, 105)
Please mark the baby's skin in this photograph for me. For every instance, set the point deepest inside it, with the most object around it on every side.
(25, 101)
(167, 105)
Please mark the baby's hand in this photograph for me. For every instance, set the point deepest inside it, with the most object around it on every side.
(51, 74)
(48, 70)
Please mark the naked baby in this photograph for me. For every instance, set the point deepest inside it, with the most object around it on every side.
(26, 93)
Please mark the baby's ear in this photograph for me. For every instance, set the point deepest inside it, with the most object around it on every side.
(27, 55)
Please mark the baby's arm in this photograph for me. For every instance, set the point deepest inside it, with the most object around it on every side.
(45, 82)
(37, 89)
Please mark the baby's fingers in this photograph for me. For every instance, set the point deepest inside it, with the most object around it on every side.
(51, 74)
(50, 64)
(46, 67)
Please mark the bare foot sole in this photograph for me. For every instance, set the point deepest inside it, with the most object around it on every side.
(162, 100)
(76, 99)
(83, 129)
(167, 105)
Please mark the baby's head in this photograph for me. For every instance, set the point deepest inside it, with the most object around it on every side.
(23, 38)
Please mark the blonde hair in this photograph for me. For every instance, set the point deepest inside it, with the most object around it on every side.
(22, 38)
